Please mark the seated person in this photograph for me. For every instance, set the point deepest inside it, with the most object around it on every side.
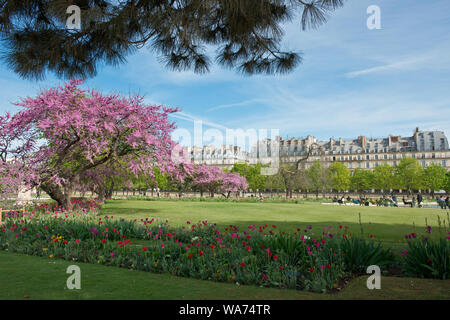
(406, 202)
(394, 200)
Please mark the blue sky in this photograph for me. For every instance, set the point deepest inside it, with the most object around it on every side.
(353, 81)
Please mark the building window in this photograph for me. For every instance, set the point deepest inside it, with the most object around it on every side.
(444, 163)
(367, 157)
(359, 164)
(367, 165)
(424, 164)
(385, 157)
(394, 156)
(376, 157)
(423, 155)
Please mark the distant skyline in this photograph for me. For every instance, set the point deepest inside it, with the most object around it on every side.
(353, 81)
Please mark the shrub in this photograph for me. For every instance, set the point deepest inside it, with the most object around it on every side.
(426, 258)
(360, 253)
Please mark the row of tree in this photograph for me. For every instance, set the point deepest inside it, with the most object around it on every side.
(408, 175)
(188, 177)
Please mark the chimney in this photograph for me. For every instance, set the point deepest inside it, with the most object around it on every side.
(415, 133)
(363, 141)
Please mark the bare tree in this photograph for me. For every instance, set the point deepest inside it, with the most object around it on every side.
(290, 173)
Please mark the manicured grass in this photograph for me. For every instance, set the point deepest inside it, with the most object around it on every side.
(30, 277)
(387, 224)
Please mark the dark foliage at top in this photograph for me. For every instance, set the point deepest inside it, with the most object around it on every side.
(246, 35)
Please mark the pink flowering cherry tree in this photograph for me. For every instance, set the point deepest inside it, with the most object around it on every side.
(208, 178)
(102, 179)
(181, 177)
(233, 182)
(67, 132)
(14, 142)
(214, 179)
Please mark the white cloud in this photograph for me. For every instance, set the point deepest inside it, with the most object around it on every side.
(396, 66)
(238, 104)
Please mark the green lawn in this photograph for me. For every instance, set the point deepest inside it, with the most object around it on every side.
(385, 223)
(30, 277)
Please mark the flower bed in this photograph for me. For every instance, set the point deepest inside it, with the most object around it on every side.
(258, 255)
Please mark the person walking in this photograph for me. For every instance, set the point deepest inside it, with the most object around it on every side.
(440, 202)
(420, 200)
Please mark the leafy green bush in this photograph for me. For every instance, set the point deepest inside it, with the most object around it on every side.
(426, 258)
(360, 253)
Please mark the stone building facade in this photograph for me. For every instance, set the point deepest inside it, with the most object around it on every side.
(366, 153)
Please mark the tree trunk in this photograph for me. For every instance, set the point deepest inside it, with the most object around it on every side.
(101, 196)
(56, 193)
(109, 193)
